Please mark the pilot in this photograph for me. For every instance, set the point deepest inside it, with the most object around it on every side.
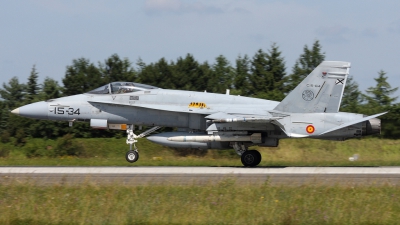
(127, 90)
(124, 90)
(120, 90)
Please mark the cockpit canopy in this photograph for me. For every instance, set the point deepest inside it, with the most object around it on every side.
(121, 87)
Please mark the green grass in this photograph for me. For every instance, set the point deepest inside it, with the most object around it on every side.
(222, 203)
(291, 152)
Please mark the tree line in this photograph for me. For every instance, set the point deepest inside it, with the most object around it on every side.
(262, 75)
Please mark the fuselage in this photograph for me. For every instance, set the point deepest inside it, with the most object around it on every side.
(187, 110)
(161, 107)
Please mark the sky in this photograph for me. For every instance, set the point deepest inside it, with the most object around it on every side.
(51, 33)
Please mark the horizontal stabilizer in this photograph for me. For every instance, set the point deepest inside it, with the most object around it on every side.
(353, 122)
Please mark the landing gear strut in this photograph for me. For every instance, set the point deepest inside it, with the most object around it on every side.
(250, 158)
(239, 147)
(133, 155)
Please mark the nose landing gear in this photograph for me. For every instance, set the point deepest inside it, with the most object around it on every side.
(133, 154)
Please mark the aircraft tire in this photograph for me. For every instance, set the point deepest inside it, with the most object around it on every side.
(251, 158)
(132, 156)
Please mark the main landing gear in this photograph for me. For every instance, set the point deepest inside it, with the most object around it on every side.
(133, 155)
(250, 158)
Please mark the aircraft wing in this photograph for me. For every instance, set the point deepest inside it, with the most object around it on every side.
(163, 107)
(215, 112)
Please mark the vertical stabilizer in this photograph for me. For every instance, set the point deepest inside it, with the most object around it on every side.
(321, 91)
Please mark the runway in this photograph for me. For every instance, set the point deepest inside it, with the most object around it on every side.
(201, 175)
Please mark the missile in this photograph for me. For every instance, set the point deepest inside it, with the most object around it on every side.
(245, 119)
(194, 140)
(162, 139)
(255, 138)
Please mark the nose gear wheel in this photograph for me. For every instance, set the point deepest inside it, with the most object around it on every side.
(132, 156)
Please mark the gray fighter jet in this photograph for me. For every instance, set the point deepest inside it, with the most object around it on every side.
(216, 121)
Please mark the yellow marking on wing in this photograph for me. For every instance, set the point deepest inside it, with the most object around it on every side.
(197, 105)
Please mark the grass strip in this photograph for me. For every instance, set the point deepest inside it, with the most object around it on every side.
(291, 152)
(222, 203)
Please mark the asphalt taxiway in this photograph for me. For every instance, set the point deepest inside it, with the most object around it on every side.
(201, 175)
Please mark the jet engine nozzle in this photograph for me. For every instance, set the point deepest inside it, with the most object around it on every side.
(372, 126)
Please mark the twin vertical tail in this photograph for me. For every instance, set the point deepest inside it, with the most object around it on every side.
(321, 91)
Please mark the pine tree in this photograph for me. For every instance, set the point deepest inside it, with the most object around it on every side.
(164, 72)
(50, 89)
(205, 73)
(32, 87)
(116, 69)
(241, 79)
(13, 93)
(222, 75)
(276, 67)
(378, 100)
(391, 122)
(157, 74)
(267, 73)
(259, 78)
(80, 77)
(308, 61)
(352, 97)
(380, 94)
(186, 71)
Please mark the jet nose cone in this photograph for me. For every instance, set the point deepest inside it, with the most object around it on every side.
(38, 110)
(15, 111)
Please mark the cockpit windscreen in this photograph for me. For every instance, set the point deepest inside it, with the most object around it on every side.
(121, 87)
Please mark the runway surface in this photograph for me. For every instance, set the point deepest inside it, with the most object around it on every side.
(201, 175)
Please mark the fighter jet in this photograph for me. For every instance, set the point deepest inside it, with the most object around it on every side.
(216, 121)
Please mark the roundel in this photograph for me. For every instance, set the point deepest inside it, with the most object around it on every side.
(310, 129)
(308, 95)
